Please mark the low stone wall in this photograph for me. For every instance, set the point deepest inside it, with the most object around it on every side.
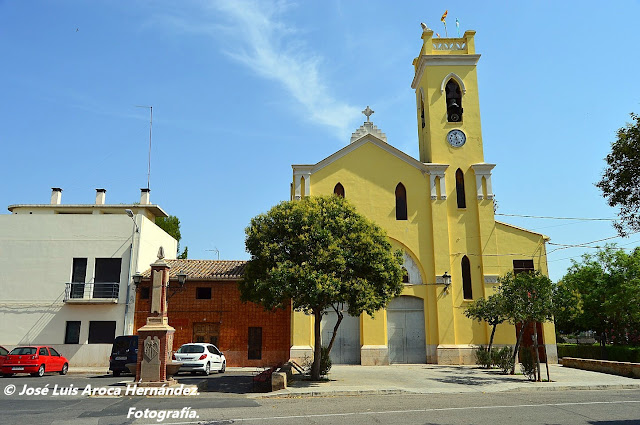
(631, 370)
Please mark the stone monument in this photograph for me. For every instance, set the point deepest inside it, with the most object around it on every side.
(155, 339)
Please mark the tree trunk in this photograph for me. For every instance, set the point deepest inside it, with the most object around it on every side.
(603, 349)
(535, 346)
(517, 347)
(335, 328)
(493, 332)
(317, 353)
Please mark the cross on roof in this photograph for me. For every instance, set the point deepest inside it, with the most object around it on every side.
(367, 112)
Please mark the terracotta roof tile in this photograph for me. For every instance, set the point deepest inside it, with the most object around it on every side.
(204, 269)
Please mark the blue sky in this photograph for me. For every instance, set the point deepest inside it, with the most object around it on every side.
(241, 90)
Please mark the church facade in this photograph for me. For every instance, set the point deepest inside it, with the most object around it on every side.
(439, 210)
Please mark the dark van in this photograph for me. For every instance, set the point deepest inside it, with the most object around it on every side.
(124, 351)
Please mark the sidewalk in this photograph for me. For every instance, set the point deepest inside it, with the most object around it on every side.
(429, 379)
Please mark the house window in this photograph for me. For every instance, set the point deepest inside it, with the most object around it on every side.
(401, 202)
(144, 293)
(339, 190)
(206, 332)
(466, 279)
(102, 332)
(108, 270)
(79, 273)
(203, 293)
(520, 266)
(454, 101)
(78, 277)
(462, 203)
(255, 343)
(72, 333)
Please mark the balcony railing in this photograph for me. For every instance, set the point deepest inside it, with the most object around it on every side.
(91, 293)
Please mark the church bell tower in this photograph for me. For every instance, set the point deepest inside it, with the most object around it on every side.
(448, 109)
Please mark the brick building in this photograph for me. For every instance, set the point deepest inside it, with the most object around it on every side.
(208, 309)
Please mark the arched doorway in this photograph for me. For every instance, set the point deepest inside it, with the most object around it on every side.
(406, 330)
(346, 348)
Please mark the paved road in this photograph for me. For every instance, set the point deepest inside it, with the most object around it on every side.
(228, 404)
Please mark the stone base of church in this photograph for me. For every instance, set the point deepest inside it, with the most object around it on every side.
(301, 353)
(462, 354)
(552, 353)
(374, 355)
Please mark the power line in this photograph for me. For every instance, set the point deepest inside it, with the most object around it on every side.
(557, 218)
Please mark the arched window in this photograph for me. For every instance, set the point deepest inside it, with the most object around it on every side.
(454, 101)
(466, 279)
(405, 275)
(462, 203)
(339, 190)
(401, 202)
(422, 112)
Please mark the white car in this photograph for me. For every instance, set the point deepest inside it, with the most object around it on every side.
(200, 357)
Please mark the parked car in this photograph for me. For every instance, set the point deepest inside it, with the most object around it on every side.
(199, 357)
(123, 352)
(3, 355)
(36, 360)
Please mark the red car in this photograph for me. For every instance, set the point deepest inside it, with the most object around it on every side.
(35, 360)
(3, 355)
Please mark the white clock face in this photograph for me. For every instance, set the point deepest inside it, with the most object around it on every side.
(456, 138)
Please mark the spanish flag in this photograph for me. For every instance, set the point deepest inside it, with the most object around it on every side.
(444, 16)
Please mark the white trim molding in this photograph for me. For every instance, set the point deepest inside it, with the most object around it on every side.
(300, 171)
(491, 278)
(436, 170)
(455, 77)
(483, 170)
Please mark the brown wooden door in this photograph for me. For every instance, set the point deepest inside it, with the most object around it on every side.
(206, 333)
(527, 340)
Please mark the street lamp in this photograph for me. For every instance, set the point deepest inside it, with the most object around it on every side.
(137, 278)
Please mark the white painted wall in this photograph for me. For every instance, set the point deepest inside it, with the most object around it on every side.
(36, 258)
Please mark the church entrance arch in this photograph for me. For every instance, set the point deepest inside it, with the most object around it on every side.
(346, 347)
(406, 330)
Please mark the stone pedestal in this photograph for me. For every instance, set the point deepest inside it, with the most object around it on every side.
(155, 339)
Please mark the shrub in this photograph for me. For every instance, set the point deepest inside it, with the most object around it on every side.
(617, 353)
(503, 358)
(528, 363)
(325, 361)
(483, 357)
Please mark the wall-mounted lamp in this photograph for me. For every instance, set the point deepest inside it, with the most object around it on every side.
(137, 278)
(182, 278)
(446, 279)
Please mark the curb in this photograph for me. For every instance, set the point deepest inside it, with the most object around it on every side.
(290, 394)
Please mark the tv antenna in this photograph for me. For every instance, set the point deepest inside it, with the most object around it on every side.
(214, 250)
(150, 127)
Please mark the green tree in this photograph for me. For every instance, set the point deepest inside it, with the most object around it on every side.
(620, 183)
(171, 225)
(607, 285)
(567, 309)
(528, 299)
(319, 253)
(491, 310)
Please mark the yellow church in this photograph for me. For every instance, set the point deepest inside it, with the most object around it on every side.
(439, 210)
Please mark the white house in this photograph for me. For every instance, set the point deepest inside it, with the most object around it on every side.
(66, 273)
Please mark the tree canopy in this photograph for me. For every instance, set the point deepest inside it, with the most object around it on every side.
(606, 290)
(318, 253)
(491, 310)
(620, 183)
(171, 225)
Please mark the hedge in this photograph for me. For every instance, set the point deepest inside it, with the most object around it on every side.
(618, 353)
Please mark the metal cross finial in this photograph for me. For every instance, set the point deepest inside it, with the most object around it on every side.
(368, 112)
